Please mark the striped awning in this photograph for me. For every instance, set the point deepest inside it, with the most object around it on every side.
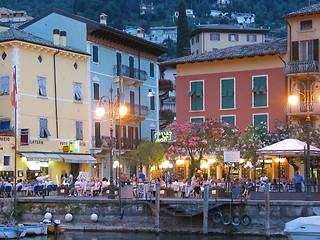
(42, 157)
(77, 158)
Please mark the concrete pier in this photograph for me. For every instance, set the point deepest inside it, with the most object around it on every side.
(176, 215)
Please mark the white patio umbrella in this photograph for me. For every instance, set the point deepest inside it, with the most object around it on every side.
(288, 147)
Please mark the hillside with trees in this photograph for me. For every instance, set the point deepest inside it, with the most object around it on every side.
(123, 13)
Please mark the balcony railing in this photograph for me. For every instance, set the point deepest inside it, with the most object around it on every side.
(308, 66)
(301, 109)
(133, 73)
(105, 142)
(137, 110)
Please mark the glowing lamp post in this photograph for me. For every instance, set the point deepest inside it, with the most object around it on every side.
(114, 109)
(305, 91)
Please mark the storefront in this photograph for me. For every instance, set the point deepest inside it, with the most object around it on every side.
(53, 166)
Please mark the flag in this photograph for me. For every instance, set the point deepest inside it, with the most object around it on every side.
(14, 89)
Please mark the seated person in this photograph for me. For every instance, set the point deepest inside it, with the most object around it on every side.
(95, 188)
(82, 188)
(74, 190)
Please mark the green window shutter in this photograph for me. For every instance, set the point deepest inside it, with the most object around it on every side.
(119, 63)
(151, 69)
(196, 95)
(227, 93)
(95, 54)
(131, 67)
(96, 91)
(259, 90)
(197, 119)
(258, 119)
(228, 119)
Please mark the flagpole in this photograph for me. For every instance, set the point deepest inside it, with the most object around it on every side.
(14, 103)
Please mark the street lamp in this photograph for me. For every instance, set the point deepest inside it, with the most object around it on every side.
(307, 92)
(114, 109)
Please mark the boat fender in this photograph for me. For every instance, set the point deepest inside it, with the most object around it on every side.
(226, 219)
(246, 220)
(236, 220)
(217, 217)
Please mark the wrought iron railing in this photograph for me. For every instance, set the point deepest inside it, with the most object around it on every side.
(307, 66)
(302, 108)
(127, 71)
(137, 110)
(105, 142)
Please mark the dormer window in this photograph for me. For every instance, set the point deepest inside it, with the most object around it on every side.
(306, 25)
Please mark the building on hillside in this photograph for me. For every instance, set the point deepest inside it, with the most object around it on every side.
(209, 37)
(146, 8)
(216, 13)
(124, 63)
(136, 31)
(223, 2)
(8, 16)
(244, 18)
(51, 103)
(189, 13)
(240, 85)
(159, 34)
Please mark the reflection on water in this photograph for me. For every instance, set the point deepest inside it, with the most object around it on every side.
(142, 236)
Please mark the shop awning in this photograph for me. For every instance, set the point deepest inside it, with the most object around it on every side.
(42, 157)
(77, 158)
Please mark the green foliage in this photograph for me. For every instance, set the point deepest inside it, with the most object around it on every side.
(183, 43)
(21, 208)
(149, 153)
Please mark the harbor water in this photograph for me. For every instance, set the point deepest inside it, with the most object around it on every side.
(144, 236)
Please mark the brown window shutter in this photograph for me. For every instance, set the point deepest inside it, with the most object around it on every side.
(316, 49)
(295, 50)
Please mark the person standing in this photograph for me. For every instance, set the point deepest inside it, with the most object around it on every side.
(298, 181)
(70, 178)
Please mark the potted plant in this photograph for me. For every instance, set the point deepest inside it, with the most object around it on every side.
(217, 192)
(63, 190)
(166, 192)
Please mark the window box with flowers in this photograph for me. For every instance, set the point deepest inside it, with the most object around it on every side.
(106, 190)
(166, 192)
(217, 192)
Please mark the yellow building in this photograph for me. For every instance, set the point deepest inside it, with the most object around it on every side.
(52, 104)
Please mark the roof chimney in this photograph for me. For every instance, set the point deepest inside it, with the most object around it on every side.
(103, 18)
(56, 36)
(63, 38)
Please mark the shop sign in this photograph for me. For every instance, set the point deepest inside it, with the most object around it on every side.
(231, 156)
(24, 136)
(76, 146)
(65, 148)
(163, 136)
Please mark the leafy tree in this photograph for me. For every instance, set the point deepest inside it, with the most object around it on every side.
(149, 153)
(194, 140)
(183, 35)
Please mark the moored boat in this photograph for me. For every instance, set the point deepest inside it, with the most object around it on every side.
(40, 229)
(303, 228)
(12, 232)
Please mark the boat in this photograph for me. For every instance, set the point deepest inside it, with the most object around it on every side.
(53, 228)
(303, 228)
(12, 232)
(40, 229)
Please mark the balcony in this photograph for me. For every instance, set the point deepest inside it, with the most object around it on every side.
(135, 113)
(104, 142)
(301, 109)
(131, 76)
(302, 67)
